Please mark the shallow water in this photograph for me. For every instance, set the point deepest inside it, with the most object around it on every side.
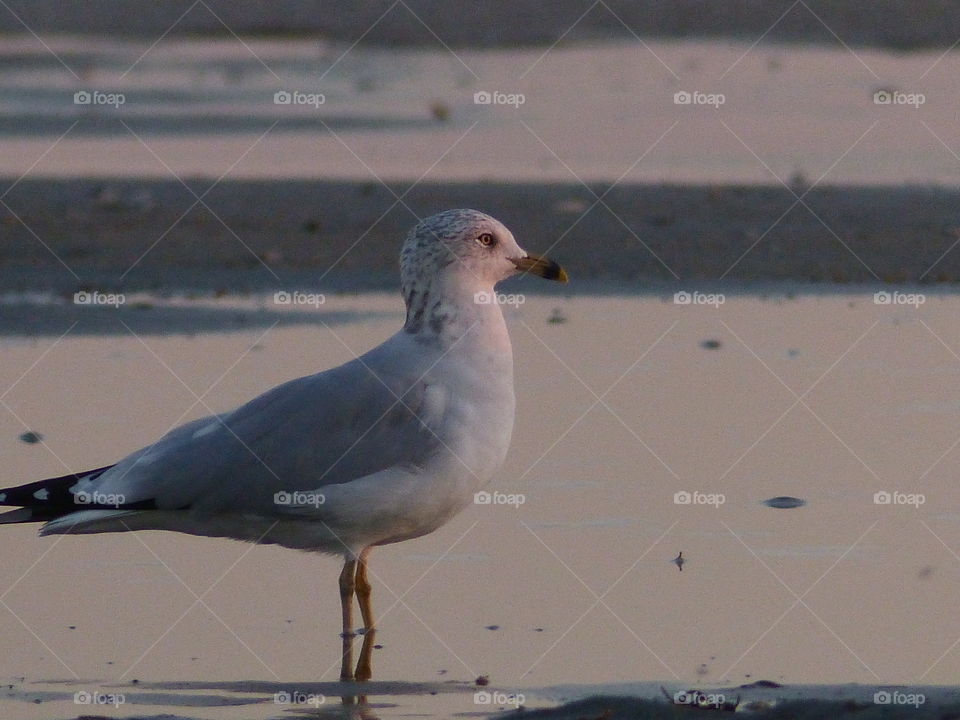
(829, 399)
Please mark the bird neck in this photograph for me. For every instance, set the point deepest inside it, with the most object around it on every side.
(453, 305)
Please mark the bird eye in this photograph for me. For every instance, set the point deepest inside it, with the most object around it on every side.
(486, 239)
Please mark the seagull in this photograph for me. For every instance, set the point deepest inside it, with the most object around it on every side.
(385, 448)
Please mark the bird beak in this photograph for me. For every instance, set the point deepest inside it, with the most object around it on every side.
(542, 266)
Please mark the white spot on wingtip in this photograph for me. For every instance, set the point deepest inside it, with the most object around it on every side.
(42, 494)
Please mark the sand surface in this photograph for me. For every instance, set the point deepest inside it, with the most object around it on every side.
(574, 586)
(591, 112)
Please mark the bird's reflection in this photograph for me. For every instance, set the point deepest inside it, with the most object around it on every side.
(364, 667)
(356, 707)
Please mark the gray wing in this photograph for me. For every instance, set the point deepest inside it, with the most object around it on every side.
(323, 429)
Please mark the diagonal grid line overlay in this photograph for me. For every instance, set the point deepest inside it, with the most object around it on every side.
(199, 399)
(957, 641)
(599, 600)
(600, 199)
(599, 400)
(398, 199)
(799, 600)
(799, 399)
(399, 600)
(799, 199)
(199, 199)
(40, 40)
(199, 600)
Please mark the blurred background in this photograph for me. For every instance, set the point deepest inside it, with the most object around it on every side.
(702, 141)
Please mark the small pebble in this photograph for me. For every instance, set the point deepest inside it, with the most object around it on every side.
(483, 680)
(440, 111)
(785, 502)
(710, 344)
(557, 317)
(492, 627)
(30, 437)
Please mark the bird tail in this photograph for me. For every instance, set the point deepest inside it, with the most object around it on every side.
(46, 500)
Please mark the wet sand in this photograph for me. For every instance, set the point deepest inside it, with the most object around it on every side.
(512, 592)
(327, 236)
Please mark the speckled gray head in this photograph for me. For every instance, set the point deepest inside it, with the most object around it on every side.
(467, 246)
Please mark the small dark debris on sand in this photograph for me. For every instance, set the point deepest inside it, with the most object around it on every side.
(711, 344)
(785, 502)
(482, 680)
(761, 684)
(30, 437)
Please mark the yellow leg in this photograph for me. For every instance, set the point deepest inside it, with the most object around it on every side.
(364, 664)
(363, 591)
